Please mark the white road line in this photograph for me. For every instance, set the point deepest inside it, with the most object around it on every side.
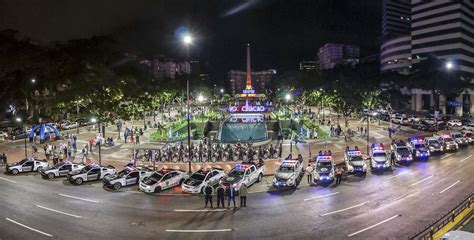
(327, 195)
(8, 180)
(345, 209)
(200, 231)
(53, 210)
(200, 210)
(30, 228)
(464, 159)
(78, 198)
(375, 225)
(398, 175)
(422, 180)
(445, 156)
(452, 185)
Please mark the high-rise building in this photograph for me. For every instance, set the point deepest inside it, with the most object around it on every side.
(331, 54)
(396, 18)
(307, 66)
(444, 29)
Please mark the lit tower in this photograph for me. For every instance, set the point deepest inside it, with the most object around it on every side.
(248, 85)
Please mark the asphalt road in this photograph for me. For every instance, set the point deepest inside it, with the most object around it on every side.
(389, 205)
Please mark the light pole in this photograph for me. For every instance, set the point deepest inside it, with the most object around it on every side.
(288, 98)
(94, 120)
(23, 126)
(187, 40)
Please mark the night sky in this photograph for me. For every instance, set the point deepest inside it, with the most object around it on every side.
(281, 32)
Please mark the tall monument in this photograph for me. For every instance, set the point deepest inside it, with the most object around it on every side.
(248, 85)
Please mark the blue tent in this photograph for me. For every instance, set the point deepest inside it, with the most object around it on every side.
(44, 132)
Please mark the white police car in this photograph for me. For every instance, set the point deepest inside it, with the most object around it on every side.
(28, 164)
(378, 158)
(60, 169)
(90, 172)
(162, 180)
(354, 161)
(448, 142)
(401, 151)
(201, 178)
(324, 169)
(460, 139)
(434, 145)
(127, 177)
(289, 174)
(418, 149)
(244, 173)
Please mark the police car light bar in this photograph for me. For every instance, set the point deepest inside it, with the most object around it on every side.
(289, 162)
(353, 152)
(324, 158)
(242, 165)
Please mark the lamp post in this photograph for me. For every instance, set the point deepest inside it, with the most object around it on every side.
(187, 40)
(94, 120)
(288, 98)
(23, 126)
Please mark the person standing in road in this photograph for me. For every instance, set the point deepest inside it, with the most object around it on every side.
(392, 158)
(339, 172)
(208, 191)
(309, 170)
(4, 158)
(137, 138)
(220, 196)
(243, 195)
(230, 191)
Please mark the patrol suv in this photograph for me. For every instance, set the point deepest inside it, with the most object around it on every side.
(460, 139)
(433, 144)
(448, 143)
(244, 173)
(28, 164)
(127, 177)
(324, 169)
(378, 157)
(162, 180)
(289, 174)
(354, 161)
(418, 149)
(60, 169)
(402, 153)
(90, 172)
(201, 178)
(468, 135)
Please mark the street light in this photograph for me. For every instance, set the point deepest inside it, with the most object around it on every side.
(33, 80)
(24, 128)
(200, 98)
(288, 98)
(449, 65)
(222, 90)
(187, 40)
(94, 120)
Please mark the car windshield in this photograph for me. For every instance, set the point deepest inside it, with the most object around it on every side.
(418, 145)
(123, 173)
(23, 161)
(448, 139)
(380, 154)
(156, 176)
(432, 142)
(468, 134)
(198, 176)
(356, 158)
(86, 169)
(286, 168)
(457, 136)
(324, 164)
(237, 172)
(57, 166)
(403, 151)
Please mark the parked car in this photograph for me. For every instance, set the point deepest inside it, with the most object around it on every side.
(455, 123)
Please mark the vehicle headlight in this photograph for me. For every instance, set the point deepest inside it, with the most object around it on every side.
(234, 185)
(274, 180)
(417, 153)
(148, 187)
(431, 148)
(350, 167)
(409, 157)
(331, 175)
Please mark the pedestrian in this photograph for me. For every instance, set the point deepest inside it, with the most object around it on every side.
(137, 138)
(132, 141)
(4, 158)
(220, 195)
(243, 195)
(309, 170)
(91, 143)
(230, 191)
(208, 191)
(84, 154)
(361, 130)
(339, 172)
(392, 158)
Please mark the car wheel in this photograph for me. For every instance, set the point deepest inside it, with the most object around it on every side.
(117, 186)
(260, 176)
(15, 171)
(79, 181)
(39, 169)
(157, 189)
(50, 175)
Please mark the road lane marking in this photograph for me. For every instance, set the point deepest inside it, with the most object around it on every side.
(78, 198)
(375, 225)
(8, 180)
(445, 156)
(200, 231)
(53, 210)
(326, 195)
(464, 159)
(422, 180)
(398, 175)
(200, 210)
(345, 209)
(30, 228)
(452, 185)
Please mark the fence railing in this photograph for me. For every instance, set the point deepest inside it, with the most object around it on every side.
(428, 233)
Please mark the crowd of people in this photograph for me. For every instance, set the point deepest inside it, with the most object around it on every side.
(223, 192)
